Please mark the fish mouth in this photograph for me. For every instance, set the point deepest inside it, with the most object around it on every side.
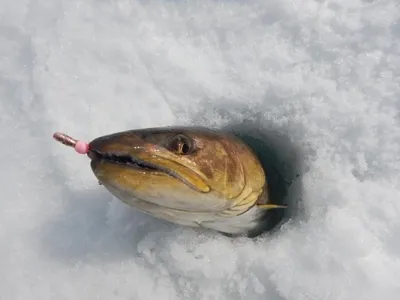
(128, 152)
(127, 160)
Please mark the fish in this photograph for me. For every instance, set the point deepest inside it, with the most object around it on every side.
(190, 176)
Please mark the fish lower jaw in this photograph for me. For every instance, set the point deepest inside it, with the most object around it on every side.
(230, 222)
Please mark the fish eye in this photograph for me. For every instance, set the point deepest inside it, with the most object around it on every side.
(181, 144)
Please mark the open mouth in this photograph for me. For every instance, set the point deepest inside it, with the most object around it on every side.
(123, 159)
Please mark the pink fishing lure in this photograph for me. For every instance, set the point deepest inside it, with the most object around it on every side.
(80, 146)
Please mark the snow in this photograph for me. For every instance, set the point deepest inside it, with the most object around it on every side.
(325, 74)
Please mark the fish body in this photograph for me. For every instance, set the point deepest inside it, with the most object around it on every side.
(191, 176)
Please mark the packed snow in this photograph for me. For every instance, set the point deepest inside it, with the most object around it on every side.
(323, 75)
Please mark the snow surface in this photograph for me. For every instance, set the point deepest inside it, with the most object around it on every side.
(326, 74)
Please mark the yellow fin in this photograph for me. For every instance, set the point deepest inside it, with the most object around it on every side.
(271, 206)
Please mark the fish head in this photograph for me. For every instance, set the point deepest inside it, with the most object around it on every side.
(187, 169)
